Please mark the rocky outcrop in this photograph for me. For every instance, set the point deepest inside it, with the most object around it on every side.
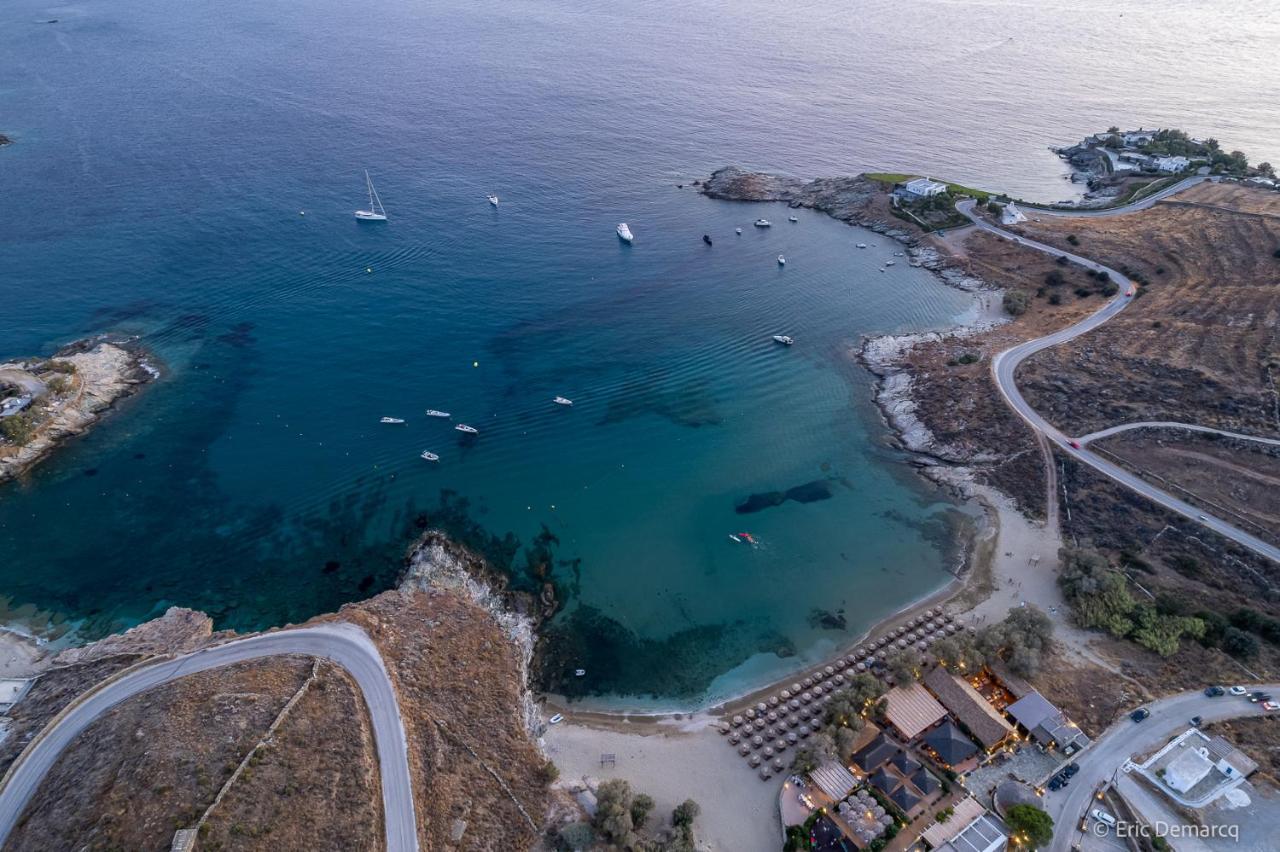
(104, 372)
(178, 631)
(849, 199)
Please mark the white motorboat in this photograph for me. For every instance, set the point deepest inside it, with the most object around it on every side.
(792, 219)
(430, 456)
(560, 400)
(493, 199)
(763, 223)
(890, 262)
(783, 339)
(391, 420)
(579, 672)
(470, 430)
(376, 212)
(431, 412)
(782, 261)
(624, 233)
(737, 230)
(862, 245)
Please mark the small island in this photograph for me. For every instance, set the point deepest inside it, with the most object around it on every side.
(45, 401)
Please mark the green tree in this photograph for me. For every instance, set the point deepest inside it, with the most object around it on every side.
(1021, 639)
(1266, 170)
(685, 813)
(1031, 826)
(959, 653)
(641, 806)
(904, 665)
(613, 811)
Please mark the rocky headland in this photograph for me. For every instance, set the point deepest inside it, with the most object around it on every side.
(46, 401)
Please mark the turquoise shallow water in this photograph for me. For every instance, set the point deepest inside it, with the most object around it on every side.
(163, 156)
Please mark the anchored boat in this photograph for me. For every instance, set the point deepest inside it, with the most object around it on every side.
(376, 212)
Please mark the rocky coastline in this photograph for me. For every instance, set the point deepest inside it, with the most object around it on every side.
(90, 377)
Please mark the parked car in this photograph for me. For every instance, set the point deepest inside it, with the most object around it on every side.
(1237, 690)
(1139, 714)
(1270, 706)
(1196, 721)
(1075, 445)
(1104, 817)
(1258, 695)
(1055, 783)
(1214, 691)
(1071, 770)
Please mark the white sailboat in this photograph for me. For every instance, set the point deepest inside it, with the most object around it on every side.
(376, 212)
(493, 199)
(624, 233)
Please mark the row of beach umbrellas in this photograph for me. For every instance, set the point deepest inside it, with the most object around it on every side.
(777, 723)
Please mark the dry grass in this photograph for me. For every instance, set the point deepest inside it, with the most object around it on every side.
(1200, 343)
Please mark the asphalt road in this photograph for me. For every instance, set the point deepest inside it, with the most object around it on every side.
(1141, 204)
(1100, 761)
(344, 644)
(1169, 424)
(1005, 364)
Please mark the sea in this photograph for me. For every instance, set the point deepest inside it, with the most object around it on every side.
(187, 173)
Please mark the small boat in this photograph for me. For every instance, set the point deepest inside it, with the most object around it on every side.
(430, 456)
(737, 231)
(783, 339)
(782, 261)
(470, 430)
(897, 254)
(391, 420)
(624, 233)
(763, 223)
(431, 412)
(560, 400)
(890, 262)
(376, 212)
(493, 199)
(747, 537)
(862, 245)
(579, 672)
(733, 537)
(556, 719)
(706, 238)
(792, 219)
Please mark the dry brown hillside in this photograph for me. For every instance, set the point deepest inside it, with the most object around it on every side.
(1200, 342)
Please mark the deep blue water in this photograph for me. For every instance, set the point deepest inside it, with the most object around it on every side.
(164, 155)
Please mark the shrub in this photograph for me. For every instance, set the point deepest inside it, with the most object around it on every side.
(968, 358)
(1276, 253)
(1110, 288)
(52, 366)
(641, 806)
(1055, 299)
(613, 810)
(1073, 239)
(1240, 644)
(19, 428)
(59, 385)
(1015, 302)
(548, 772)
(685, 813)
(1062, 260)
(1055, 278)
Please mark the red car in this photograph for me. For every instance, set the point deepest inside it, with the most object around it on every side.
(1075, 445)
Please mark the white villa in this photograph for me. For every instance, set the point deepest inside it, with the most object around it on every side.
(1171, 165)
(921, 188)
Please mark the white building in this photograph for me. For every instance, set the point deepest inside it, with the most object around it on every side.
(922, 188)
(1171, 165)
(1138, 137)
(1011, 215)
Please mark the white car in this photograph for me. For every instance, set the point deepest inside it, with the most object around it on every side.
(1104, 817)
(1237, 690)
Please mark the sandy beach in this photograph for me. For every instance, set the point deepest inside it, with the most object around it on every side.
(682, 755)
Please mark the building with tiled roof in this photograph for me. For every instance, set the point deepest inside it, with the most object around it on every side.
(969, 708)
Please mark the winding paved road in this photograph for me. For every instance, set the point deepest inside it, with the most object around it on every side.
(1108, 753)
(1170, 424)
(1005, 364)
(1132, 207)
(344, 644)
